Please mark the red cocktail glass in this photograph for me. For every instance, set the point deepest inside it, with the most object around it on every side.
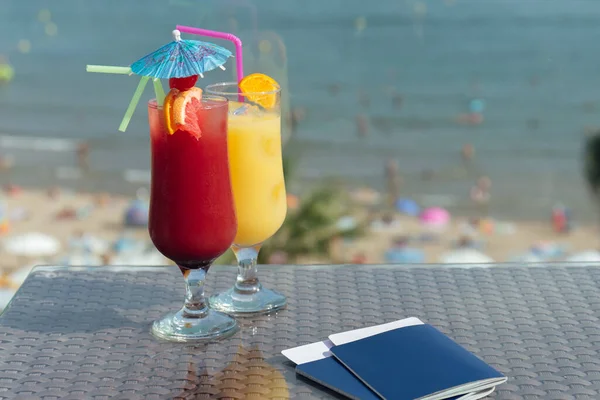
(192, 214)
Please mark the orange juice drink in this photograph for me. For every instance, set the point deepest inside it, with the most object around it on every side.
(256, 170)
(254, 143)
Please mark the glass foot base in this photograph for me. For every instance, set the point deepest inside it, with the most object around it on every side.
(175, 327)
(262, 302)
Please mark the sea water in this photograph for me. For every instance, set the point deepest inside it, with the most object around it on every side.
(409, 68)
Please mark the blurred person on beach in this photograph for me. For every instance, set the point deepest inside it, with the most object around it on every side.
(467, 153)
(467, 170)
(362, 125)
(534, 81)
(475, 114)
(589, 106)
(359, 258)
(533, 123)
(53, 193)
(107, 258)
(397, 100)
(83, 153)
(465, 242)
(427, 174)
(470, 119)
(480, 194)
(393, 181)
(6, 163)
(296, 116)
(363, 99)
(475, 84)
(334, 89)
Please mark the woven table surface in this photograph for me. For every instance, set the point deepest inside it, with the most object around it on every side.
(83, 333)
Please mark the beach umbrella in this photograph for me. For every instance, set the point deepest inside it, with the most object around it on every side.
(435, 217)
(548, 250)
(589, 256)
(408, 207)
(32, 244)
(136, 213)
(404, 255)
(465, 256)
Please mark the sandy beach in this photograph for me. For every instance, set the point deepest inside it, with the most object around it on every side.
(500, 246)
(66, 215)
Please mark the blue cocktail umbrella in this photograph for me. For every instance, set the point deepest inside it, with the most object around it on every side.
(181, 58)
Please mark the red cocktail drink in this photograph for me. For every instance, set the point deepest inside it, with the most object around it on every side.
(192, 214)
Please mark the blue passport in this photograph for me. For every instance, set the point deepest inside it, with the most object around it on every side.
(330, 373)
(415, 362)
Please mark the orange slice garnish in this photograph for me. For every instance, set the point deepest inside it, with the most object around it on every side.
(167, 109)
(254, 87)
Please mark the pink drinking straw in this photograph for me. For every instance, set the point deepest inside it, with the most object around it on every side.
(239, 64)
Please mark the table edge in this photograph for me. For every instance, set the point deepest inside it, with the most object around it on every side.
(131, 268)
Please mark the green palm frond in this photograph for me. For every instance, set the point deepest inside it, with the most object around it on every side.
(309, 230)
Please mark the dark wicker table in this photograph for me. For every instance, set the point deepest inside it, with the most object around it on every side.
(83, 333)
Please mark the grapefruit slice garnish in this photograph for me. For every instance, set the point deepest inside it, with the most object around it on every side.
(256, 88)
(185, 111)
(181, 111)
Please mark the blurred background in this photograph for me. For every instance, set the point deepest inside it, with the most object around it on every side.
(415, 130)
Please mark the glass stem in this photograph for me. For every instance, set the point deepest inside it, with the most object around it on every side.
(247, 279)
(195, 304)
